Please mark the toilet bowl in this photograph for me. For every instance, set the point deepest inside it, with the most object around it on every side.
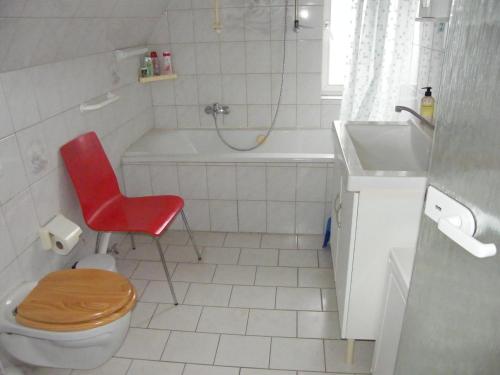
(58, 334)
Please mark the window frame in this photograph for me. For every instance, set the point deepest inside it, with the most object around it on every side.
(333, 91)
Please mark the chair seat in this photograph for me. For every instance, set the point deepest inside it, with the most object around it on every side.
(150, 215)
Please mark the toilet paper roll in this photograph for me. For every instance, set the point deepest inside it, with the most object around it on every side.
(63, 246)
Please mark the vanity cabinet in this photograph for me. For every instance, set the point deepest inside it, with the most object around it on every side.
(366, 224)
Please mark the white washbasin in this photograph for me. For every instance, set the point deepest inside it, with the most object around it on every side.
(384, 154)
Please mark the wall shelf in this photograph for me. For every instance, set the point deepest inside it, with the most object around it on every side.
(157, 78)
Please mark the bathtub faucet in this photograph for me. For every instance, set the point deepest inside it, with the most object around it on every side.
(216, 109)
(400, 108)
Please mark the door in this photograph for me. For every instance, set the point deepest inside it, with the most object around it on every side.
(452, 321)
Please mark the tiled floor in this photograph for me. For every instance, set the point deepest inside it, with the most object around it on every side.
(255, 305)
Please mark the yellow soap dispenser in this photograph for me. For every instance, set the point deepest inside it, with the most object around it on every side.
(427, 105)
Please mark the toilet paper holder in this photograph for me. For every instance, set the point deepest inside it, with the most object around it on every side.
(60, 235)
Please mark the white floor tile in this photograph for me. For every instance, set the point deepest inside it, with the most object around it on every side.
(253, 297)
(276, 276)
(155, 368)
(329, 299)
(175, 237)
(210, 370)
(316, 278)
(298, 299)
(335, 356)
(208, 295)
(318, 325)
(315, 373)
(140, 286)
(201, 273)
(307, 241)
(50, 371)
(221, 255)
(152, 270)
(233, 274)
(297, 354)
(279, 241)
(144, 252)
(242, 240)
(126, 267)
(180, 317)
(259, 257)
(191, 347)
(143, 344)
(298, 258)
(209, 238)
(253, 371)
(184, 254)
(243, 351)
(223, 320)
(142, 313)
(115, 366)
(159, 291)
(272, 323)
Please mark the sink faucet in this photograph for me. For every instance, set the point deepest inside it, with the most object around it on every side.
(400, 108)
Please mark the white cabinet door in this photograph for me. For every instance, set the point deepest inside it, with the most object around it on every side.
(386, 347)
(335, 229)
(345, 251)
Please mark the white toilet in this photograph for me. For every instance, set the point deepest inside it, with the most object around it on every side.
(46, 326)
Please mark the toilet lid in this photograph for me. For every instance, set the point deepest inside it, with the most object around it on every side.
(76, 299)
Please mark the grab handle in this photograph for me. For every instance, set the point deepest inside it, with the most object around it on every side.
(450, 226)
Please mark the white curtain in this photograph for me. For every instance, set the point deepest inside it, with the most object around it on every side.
(379, 61)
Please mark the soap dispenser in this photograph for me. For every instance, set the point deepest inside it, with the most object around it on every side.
(427, 105)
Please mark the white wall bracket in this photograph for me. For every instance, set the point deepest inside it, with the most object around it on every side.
(457, 222)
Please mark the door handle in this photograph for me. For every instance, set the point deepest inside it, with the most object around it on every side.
(450, 226)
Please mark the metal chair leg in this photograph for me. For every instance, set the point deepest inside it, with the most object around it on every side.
(97, 242)
(167, 274)
(190, 235)
(132, 240)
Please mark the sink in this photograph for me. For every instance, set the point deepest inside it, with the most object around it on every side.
(384, 154)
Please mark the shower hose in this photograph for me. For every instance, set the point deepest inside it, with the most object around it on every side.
(275, 116)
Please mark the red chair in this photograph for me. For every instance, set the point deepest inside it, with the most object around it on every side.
(105, 209)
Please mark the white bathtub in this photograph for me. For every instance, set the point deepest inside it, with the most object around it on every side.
(160, 145)
(284, 186)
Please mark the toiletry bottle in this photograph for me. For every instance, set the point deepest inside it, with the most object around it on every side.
(167, 63)
(427, 105)
(148, 63)
(156, 63)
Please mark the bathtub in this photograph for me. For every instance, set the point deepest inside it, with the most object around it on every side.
(284, 186)
(205, 146)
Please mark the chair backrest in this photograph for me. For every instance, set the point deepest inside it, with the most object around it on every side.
(91, 173)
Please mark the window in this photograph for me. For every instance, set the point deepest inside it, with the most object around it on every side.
(335, 45)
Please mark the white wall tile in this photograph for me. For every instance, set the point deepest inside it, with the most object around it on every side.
(311, 184)
(198, 214)
(166, 117)
(181, 26)
(309, 218)
(184, 58)
(137, 180)
(223, 216)
(6, 127)
(252, 216)
(233, 57)
(251, 183)
(21, 220)
(280, 217)
(281, 183)
(259, 88)
(163, 93)
(234, 89)
(186, 90)
(193, 181)
(209, 88)
(8, 252)
(221, 182)
(12, 176)
(208, 58)
(188, 116)
(164, 179)
(258, 57)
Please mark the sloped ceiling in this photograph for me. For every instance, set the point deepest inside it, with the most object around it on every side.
(34, 32)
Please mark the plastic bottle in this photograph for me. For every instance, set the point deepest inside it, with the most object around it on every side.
(156, 63)
(167, 63)
(148, 64)
(427, 105)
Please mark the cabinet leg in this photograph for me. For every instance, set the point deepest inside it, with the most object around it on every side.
(349, 354)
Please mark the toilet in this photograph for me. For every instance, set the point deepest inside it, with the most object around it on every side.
(76, 318)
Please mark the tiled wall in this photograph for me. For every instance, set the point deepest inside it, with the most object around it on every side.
(428, 51)
(54, 55)
(246, 197)
(242, 65)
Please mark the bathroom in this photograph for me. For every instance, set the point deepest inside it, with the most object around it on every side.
(304, 224)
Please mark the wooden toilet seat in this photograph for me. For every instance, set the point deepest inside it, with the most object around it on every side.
(76, 300)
